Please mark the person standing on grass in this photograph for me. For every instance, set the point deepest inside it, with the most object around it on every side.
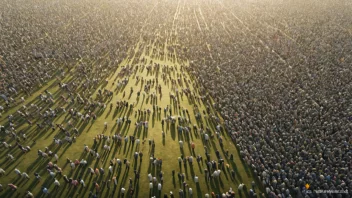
(75, 183)
(127, 164)
(119, 162)
(108, 141)
(66, 179)
(82, 183)
(181, 144)
(140, 156)
(18, 173)
(45, 191)
(37, 176)
(196, 179)
(56, 157)
(52, 173)
(159, 187)
(12, 186)
(105, 148)
(130, 183)
(207, 175)
(108, 183)
(179, 160)
(233, 174)
(2, 171)
(73, 166)
(137, 142)
(5, 144)
(136, 177)
(180, 192)
(115, 181)
(97, 172)
(190, 160)
(91, 170)
(126, 139)
(86, 148)
(29, 194)
(240, 187)
(56, 183)
(131, 192)
(83, 162)
(136, 156)
(150, 177)
(97, 187)
(123, 192)
(102, 172)
(111, 169)
(206, 137)
(25, 175)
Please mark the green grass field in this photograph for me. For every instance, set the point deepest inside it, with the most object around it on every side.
(167, 148)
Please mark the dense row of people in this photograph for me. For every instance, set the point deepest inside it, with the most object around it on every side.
(281, 82)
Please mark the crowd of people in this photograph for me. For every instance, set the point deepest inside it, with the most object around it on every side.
(283, 88)
(278, 73)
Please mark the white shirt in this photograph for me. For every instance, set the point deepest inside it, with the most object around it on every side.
(83, 162)
(159, 186)
(25, 175)
(17, 171)
(57, 183)
(196, 179)
(240, 187)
